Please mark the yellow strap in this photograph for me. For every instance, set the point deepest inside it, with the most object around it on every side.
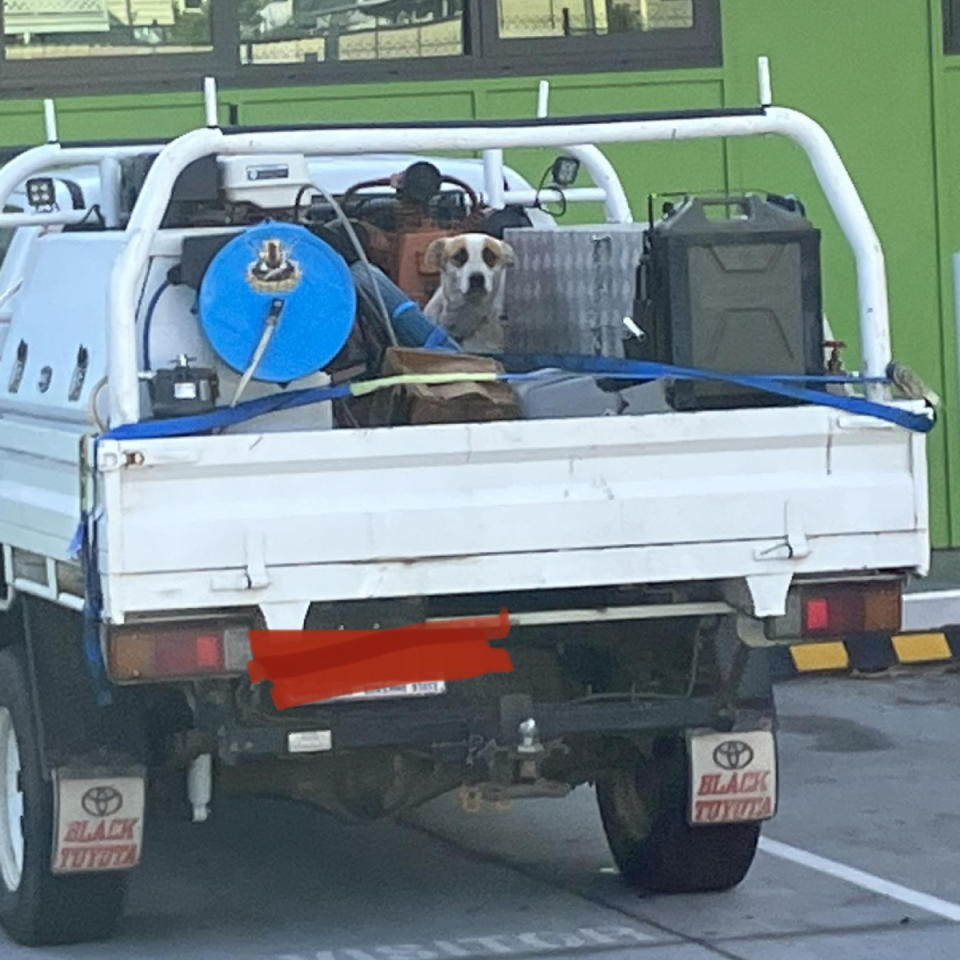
(366, 387)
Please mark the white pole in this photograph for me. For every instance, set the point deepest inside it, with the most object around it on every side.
(763, 82)
(493, 178)
(210, 101)
(543, 100)
(110, 191)
(50, 121)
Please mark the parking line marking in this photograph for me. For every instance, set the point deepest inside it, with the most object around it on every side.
(867, 881)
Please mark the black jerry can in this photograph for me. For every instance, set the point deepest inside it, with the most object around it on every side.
(732, 285)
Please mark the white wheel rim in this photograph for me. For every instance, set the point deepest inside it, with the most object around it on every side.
(11, 800)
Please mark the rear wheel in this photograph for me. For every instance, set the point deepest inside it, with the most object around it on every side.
(37, 907)
(644, 813)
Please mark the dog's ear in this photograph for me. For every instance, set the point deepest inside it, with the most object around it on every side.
(507, 254)
(436, 253)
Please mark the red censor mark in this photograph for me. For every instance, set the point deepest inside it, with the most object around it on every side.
(306, 666)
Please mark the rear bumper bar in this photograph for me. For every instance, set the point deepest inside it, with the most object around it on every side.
(424, 725)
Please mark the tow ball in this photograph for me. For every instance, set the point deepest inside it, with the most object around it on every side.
(515, 774)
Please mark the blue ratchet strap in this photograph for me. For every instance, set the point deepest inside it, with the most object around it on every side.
(780, 385)
(226, 416)
(598, 366)
(84, 544)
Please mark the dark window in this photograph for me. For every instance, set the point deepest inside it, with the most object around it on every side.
(117, 46)
(606, 33)
(527, 19)
(315, 31)
(951, 26)
(111, 46)
(58, 29)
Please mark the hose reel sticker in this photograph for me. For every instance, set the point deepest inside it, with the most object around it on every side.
(274, 271)
(98, 822)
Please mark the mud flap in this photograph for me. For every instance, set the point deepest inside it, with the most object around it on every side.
(733, 777)
(98, 819)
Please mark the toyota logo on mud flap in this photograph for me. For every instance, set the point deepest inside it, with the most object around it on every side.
(101, 801)
(733, 755)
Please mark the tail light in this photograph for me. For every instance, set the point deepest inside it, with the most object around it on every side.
(169, 651)
(839, 610)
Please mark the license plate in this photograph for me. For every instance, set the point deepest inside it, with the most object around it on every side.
(429, 688)
(733, 777)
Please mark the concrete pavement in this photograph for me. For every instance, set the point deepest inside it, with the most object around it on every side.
(870, 778)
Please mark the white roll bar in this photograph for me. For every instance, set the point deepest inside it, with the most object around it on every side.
(828, 166)
(605, 176)
(49, 157)
(56, 218)
(528, 198)
(608, 189)
(601, 170)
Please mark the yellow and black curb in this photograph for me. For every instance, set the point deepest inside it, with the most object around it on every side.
(867, 654)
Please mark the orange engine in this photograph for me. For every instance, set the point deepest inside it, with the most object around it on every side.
(401, 256)
(398, 244)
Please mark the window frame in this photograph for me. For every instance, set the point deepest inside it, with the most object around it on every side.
(486, 55)
(951, 26)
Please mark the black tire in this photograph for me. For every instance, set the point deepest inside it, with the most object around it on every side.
(43, 908)
(644, 815)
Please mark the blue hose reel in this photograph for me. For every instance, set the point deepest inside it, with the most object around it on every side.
(280, 276)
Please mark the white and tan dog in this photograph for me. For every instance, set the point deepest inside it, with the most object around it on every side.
(469, 302)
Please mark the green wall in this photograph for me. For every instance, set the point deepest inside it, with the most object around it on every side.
(871, 71)
(865, 69)
(945, 90)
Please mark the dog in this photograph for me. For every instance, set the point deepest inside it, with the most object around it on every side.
(469, 301)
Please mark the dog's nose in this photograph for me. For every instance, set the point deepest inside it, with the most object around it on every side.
(478, 281)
